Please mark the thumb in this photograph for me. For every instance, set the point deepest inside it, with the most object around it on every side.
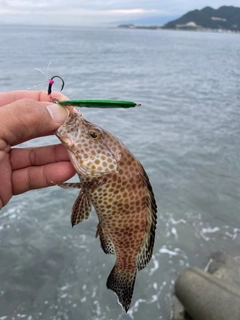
(26, 119)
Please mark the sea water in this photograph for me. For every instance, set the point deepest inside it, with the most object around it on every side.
(186, 134)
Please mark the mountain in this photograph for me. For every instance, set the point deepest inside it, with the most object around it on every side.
(225, 18)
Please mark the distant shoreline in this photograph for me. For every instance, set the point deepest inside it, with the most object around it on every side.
(133, 27)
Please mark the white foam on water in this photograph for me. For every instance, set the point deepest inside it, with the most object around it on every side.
(64, 288)
(134, 309)
(177, 221)
(9, 212)
(154, 298)
(13, 216)
(94, 292)
(174, 232)
(208, 264)
(210, 230)
(171, 253)
(236, 232)
(98, 308)
(156, 265)
(205, 231)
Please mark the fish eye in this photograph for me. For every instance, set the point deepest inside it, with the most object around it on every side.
(94, 134)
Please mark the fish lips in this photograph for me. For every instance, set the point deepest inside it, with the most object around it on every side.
(72, 121)
(62, 138)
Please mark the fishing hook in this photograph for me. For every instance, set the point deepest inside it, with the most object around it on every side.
(51, 82)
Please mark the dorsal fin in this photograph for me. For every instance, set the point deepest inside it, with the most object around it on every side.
(145, 252)
(81, 208)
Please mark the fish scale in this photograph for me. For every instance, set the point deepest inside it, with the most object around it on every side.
(115, 183)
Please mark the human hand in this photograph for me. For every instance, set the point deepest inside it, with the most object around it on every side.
(25, 115)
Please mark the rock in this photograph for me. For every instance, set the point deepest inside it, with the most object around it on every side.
(205, 297)
(226, 268)
(178, 312)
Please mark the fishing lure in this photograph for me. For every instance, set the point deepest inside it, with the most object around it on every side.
(90, 103)
(51, 82)
(99, 103)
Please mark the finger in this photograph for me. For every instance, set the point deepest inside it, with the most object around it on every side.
(26, 119)
(40, 177)
(9, 97)
(5, 180)
(28, 157)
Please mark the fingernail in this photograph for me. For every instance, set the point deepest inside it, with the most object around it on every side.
(77, 111)
(58, 113)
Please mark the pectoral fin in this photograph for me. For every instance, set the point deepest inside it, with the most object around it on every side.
(66, 185)
(81, 208)
(106, 242)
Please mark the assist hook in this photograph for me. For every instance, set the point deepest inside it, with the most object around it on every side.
(51, 82)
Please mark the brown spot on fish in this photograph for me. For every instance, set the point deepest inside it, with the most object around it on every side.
(116, 184)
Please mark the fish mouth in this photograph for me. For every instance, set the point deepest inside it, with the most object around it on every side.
(62, 134)
(58, 135)
(61, 138)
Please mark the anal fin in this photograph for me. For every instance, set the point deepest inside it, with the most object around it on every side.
(106, 242)
(81, 208)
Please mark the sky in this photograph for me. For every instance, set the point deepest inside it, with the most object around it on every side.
(97, 12)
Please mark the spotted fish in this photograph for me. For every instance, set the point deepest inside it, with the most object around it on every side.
(116, 184)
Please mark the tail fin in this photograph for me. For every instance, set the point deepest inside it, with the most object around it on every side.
(122, 283)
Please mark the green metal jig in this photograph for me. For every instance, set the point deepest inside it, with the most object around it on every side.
(90, 103)
(99, 103)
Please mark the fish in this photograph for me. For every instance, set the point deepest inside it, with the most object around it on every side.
(115, 183)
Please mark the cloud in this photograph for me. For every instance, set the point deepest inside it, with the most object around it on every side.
(96, 11)
(130, 11)
(73, 12)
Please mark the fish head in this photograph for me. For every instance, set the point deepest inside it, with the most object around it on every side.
(91, 149)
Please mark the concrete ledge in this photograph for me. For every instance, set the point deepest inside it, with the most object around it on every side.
(226, 268)
(205, 297)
